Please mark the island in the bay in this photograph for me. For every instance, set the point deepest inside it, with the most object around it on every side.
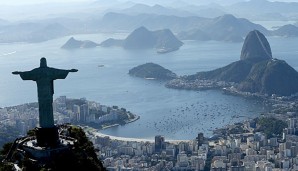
(152, 71)
(257, 73)
(72, 43)
(141, 38)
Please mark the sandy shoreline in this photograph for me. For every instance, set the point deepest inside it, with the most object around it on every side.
(97, 133)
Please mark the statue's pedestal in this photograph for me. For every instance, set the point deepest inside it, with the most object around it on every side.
(47, 137)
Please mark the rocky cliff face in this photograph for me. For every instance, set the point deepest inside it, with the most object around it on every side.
(271, 77)
(255, 46)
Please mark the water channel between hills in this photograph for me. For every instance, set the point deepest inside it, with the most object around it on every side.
(176, 114)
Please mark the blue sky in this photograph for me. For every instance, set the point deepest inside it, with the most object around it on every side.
(18, 2)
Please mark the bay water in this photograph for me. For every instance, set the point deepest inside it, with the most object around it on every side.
(103, 77)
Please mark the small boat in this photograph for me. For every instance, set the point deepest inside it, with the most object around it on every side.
(165, 50)
(150, 78)
(101, 65)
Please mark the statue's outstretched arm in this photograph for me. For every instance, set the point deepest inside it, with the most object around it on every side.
(60, 73)
(26, 75)
(16, 72)
(73, 70)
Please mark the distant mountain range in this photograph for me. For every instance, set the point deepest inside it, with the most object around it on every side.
(190, 20)
(208, 8)
(122, 22)
(255, 72)
(251, 9)
(286, 31)
(254, 9)
(224, 28)
(31, 32)
(141, 38)
(155, 9)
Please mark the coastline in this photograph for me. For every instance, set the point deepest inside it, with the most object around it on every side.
(270, 101)
(97, 133)
(226, 88)
(126, 122)
(137, 117)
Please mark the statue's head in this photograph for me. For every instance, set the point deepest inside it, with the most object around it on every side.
(43, 62)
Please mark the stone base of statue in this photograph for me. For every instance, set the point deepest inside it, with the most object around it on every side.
(47, 137)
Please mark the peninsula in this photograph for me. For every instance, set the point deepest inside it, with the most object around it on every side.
(66, 110)
(94, 114)
(256, 73)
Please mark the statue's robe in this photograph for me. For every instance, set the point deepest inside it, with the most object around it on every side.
(44, 77)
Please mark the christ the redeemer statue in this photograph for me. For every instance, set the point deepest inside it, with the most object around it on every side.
(44, 77)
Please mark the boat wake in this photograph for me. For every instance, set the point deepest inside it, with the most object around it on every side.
(9, 53)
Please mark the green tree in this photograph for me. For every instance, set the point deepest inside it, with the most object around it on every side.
(271, 126)
(3, 153)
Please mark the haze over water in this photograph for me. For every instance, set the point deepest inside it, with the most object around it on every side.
(176, 114)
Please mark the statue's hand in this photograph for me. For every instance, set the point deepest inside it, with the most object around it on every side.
(73, 70)
(16, 72)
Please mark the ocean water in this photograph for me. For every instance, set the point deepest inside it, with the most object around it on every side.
(176, 114)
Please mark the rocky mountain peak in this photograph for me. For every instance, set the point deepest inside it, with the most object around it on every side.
(255, 46)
